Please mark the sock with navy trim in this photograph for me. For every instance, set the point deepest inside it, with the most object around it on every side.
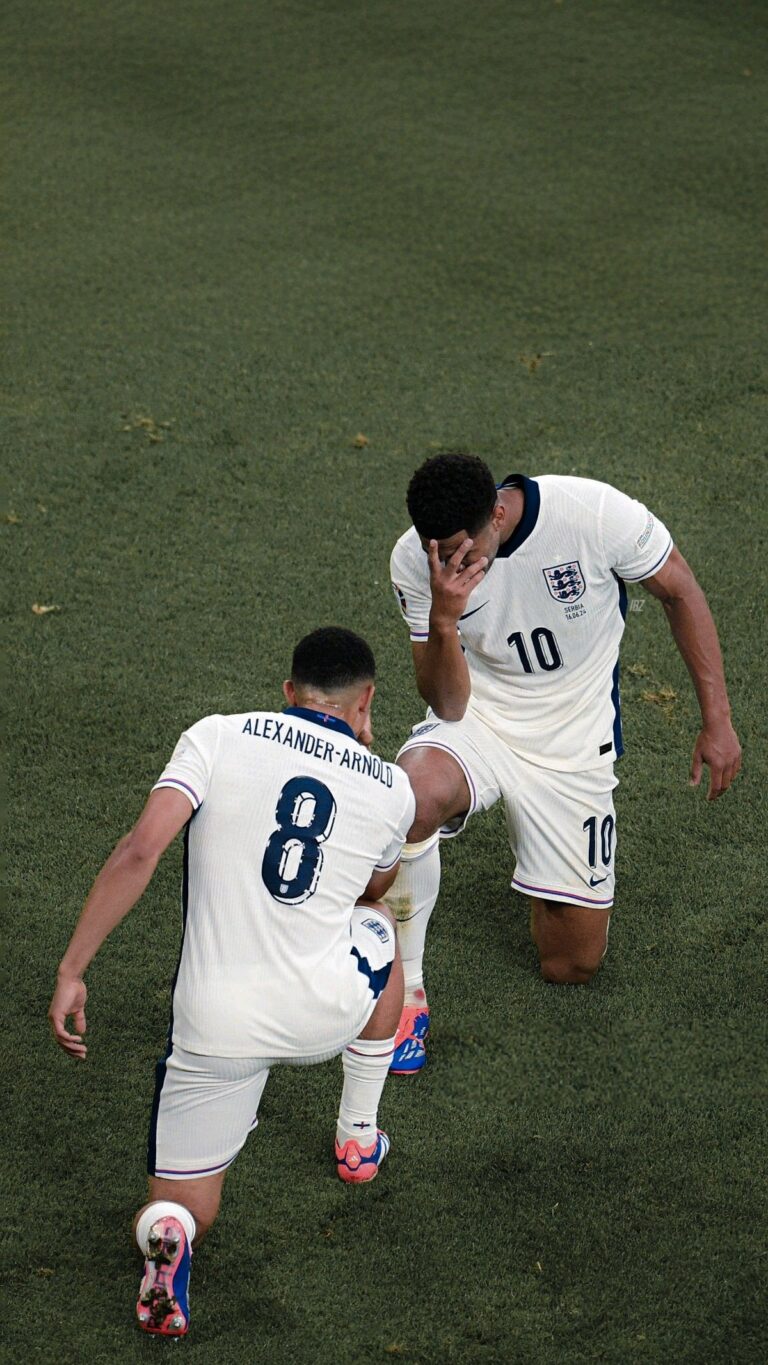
(366, 1065)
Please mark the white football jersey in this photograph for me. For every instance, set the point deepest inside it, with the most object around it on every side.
(541, 631)
(291, 817)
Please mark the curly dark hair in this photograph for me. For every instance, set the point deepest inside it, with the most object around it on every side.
(452, 491)
(332, 658)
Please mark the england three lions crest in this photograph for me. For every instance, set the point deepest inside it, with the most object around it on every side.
(565, 582)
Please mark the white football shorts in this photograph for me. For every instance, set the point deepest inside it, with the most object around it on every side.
(562, 825)
(205, 1107)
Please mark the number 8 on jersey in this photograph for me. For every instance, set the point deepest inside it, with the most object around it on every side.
(293, 858)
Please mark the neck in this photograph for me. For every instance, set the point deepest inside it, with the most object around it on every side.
(513, 502)
(351, 704)
(313, 703)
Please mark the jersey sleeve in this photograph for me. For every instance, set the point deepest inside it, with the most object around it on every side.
(391, 854)
(636, 543)
(413, 596)
(191, 763)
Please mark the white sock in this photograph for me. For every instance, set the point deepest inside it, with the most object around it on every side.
(411, 898)
(164, 1208)
(366, 1064)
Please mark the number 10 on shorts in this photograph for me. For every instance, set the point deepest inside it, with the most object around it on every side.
(606, 839)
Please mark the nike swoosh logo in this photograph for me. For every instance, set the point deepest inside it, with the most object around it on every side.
(595, 881)
(472, 612)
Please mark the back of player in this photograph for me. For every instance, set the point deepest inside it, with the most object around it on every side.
(291, 814)
(293, 832)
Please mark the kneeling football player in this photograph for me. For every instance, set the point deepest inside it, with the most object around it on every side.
(292, 833)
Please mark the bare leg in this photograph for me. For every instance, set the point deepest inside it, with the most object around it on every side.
(175, 1219)
(439, 786)
(202, 1197)
(571, 940)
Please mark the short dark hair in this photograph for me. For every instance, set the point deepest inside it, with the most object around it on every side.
(332, 658)
(451, 492)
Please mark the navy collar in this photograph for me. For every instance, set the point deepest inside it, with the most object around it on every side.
(320, 718)
(530, 515)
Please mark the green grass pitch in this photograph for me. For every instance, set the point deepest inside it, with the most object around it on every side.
(239, 237)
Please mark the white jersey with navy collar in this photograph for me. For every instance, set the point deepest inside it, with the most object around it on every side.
(291, 817)
(541, 631)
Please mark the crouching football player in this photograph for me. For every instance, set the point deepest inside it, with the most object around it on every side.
(293, 832)
(515, 597)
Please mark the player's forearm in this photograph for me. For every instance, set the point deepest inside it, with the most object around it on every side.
(443, 677)
(695, 635)
(379, 884)
(122, 880)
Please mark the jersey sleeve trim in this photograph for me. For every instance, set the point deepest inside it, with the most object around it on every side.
(393, 852)
(183, 787)
(386, 867)
(648, 573)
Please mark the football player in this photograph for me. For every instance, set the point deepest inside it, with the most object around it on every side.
(515, 597)
(293, 832)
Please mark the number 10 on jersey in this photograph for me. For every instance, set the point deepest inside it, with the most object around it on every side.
(293, 858)
(548, 656)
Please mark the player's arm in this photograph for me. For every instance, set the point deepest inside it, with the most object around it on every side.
(442, 676)
(122, 880)
(695, 635)
(380, 883)
(382, 877)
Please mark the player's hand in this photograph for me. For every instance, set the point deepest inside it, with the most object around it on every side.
(366, 734)
(718, 747)
(452, 582)
(69, 999)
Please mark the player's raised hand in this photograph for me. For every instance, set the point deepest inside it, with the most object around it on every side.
(719, 748)
(452, 582)
(69, 999)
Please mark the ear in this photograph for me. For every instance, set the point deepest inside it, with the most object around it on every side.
(362, 723)
(368, 695)
(365, 699)
(289, 692)
(497, 516)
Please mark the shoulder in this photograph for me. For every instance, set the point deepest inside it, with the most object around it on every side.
(235, 721)
(569, 491)
(404, 807)
(591, 505)
(400, 781)
(260, 723)
(588, 493)
(408, 555)
(392, 780)
(206, 728)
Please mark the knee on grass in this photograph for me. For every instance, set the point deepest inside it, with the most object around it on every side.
(562, 969)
